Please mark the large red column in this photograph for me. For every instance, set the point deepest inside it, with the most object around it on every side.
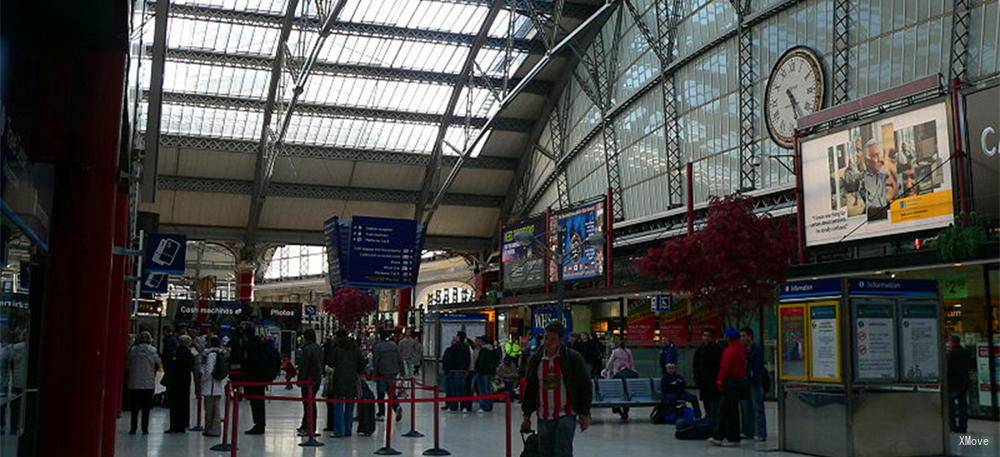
(117, 317)
(78, 124)
(245, 277)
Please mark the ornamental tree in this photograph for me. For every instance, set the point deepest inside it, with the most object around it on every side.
(349, 305)
(733, 264)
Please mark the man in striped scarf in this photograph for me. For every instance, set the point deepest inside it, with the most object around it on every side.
(559, 391)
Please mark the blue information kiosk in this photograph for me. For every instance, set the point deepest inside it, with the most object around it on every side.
(858, 355)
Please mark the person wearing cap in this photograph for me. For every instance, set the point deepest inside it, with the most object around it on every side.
(958, 386)
(871, 180)
(559, 391)
(732, 382)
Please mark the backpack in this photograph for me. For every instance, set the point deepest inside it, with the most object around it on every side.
(530, 445)
(221, 368)
(694, 429)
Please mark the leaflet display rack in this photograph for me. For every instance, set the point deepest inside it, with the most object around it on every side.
(854, 355)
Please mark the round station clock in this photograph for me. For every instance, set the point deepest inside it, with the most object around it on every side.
(794, 89)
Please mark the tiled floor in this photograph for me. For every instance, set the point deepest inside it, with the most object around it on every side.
(464, 435)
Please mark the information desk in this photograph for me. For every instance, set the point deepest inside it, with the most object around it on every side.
(860, 368)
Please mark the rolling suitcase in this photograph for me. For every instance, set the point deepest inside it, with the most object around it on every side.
(366, 411)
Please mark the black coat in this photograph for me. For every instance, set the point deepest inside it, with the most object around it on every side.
(347, 361)
(181, 369)
(311, 367)
(707, 359)
(487, 361)
(456, 358)
(958, 370)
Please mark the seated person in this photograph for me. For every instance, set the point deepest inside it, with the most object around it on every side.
(508, 374)
(674, 391)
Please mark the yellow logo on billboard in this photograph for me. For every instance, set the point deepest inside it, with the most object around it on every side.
(920, 207)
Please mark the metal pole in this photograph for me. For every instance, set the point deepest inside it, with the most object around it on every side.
(510, 405)
(436, 450)
(387, 449)
(236, 424)
(310, 418)
(413, 433)
(690, 198)
(224, 445)
(198, 427)
(152, 138)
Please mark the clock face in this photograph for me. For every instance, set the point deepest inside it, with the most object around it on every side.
(794, 90)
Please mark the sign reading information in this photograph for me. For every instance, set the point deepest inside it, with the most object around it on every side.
(874, 341)
(824, 342)
(920, 341)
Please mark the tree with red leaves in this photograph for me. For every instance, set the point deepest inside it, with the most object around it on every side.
(733, 264)
(349, 305)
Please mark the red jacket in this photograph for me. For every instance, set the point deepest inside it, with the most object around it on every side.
(734, 363)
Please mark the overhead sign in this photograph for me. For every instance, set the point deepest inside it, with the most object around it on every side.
(983, 121)
(571, 229)
(885, 177)
(662, 303)
(286, 315)
(893, 287)
(374, 251)
(524, 265)
(815, 288)
(165, 253)
(310, 310)
(209, 310)
(154, 283)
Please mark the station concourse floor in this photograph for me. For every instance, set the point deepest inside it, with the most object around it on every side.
(464, 435)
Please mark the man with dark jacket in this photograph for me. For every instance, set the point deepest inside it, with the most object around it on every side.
(486, 369)
(455, 362)
(310, 371)
(958, 386)
(261, 365)
(707, 358)
(346, 361)
(668, 355)
(559, 390)
(386, 363)
(674, 389)
(754, 425)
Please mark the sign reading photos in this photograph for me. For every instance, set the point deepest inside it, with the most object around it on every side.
(879, 178)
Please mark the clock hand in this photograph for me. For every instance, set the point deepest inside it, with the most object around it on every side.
(795, 103)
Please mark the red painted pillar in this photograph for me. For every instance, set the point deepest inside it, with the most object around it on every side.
(245, 277)
(403, 306)
(80, 93)
(117, 318)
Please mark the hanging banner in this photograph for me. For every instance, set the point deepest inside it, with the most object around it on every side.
(920, 342)
(983, 121)
(165, 253)
(524, 265)
(874, 326)
(885, 177)
(210, 311)
(792, 343)
(154, 283)
(373, 251)
(824, 342)
(571, 229)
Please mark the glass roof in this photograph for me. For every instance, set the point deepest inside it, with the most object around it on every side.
(432, 37)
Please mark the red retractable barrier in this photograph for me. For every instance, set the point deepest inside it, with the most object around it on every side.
(198, 427)
(413, 433)
(224, 446)
(437, 449)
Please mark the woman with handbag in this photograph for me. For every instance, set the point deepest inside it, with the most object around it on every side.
(732, 382)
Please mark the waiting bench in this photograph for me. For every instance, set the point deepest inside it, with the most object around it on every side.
(616, 393)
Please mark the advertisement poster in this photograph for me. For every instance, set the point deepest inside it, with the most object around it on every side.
(524, 266)
(792, 323)
(983, 125)
(983, 368)
(543, 315)
(874, 341)
(824, 342)
(920, 339)
(879, 178)
(580, 261)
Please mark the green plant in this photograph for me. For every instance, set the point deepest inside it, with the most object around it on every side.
(960, 243)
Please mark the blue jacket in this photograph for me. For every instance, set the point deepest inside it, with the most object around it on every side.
(672, 384)
(755, 364)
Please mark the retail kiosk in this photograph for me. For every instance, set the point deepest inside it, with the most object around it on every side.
(855, 355)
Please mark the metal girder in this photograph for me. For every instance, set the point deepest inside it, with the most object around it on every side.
(308, 151)
(258, 62)
(221, 101)
(292, 190)
(604, 71)
(748, 169)
(265, 19)
(841, 50)
(310, 237)
(150, 158)
(567, 9)
(959, 56)
(433, 171)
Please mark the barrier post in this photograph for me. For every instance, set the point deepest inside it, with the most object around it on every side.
(310, 418)
(387, 449)
(198, 427)
(224, 445)
(436, 450)
(413, 433)
(235, 433)
(510, 406)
